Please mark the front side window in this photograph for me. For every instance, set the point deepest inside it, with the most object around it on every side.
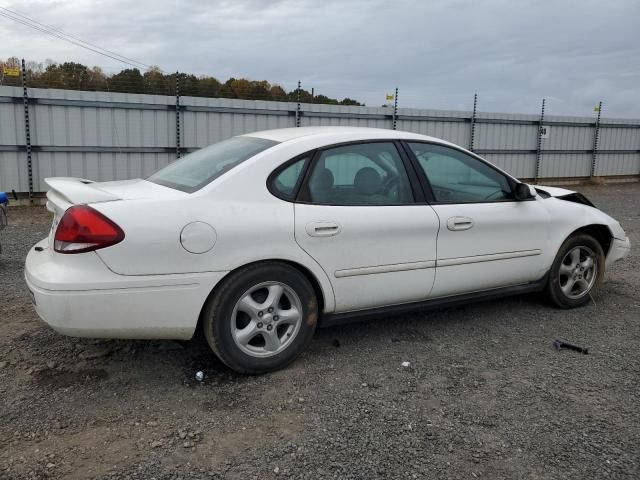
(360, 174)
(456, 177)
(194, 171)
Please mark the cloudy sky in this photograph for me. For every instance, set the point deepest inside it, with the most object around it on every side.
(438, 52)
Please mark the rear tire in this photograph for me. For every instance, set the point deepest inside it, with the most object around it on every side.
(577, 272)
(261, 318)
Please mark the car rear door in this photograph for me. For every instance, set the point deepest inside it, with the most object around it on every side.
(361, 215)
(487, 239)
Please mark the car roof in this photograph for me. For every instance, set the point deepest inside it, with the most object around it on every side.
(341, 133)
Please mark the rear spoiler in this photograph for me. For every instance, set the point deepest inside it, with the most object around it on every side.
(77, 190)
(68, 191)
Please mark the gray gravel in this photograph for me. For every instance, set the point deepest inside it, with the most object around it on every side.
(485, 395)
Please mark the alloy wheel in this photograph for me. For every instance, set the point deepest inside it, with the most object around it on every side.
(578, 272)
(266, 319)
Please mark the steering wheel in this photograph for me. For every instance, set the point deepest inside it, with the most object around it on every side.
(391, 188)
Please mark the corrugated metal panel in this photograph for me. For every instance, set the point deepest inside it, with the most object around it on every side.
(565, 165)
(505, 137)
(95, 166)
(521, 165)
(13, 172)
(130, 121)
(618, 164)
(563, 137)
(619, 138)
(454, 132)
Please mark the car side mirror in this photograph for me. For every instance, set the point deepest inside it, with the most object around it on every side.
(523, 192)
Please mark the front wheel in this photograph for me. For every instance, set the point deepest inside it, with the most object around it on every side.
(577, 271)
(261, 318)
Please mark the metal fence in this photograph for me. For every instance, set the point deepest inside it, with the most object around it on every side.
(111, 136)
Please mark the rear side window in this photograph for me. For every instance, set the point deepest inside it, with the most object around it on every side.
(194, 171)
(360, 174)
(285, 182)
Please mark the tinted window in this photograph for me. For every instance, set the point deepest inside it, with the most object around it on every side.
(362, 174)
(456, 177)
(285, 182)
(197, 169)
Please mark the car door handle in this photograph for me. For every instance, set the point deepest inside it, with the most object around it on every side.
(459, 223)
(323, 229)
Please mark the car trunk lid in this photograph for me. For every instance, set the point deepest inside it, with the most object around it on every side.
(67, 191)
(64, 192)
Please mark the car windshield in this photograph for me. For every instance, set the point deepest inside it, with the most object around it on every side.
(194, 171)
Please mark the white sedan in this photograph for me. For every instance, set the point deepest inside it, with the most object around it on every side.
(259, 238)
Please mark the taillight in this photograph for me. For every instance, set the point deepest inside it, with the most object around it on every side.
(83, 229)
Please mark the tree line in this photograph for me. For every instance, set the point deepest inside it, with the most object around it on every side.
(76, 76)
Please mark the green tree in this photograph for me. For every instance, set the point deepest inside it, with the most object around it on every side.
(241, 87)
(208, 86)
(325, 100)
(155, 82)
(349, 101)
(276, 92)
(97, 79)
(129, 80)
(75, 76)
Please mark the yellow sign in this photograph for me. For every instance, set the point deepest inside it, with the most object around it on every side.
(389, 97)
(596, 109)
(11, 71)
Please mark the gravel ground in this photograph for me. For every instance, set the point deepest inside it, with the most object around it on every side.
(486, 395)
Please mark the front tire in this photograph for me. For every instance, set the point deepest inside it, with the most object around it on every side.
(577, 272)
(261, 318)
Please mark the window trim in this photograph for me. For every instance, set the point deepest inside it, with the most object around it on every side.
(304, 197)
(427, 184)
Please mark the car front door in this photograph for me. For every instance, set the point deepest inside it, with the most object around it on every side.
(487, 239)
(361, 216)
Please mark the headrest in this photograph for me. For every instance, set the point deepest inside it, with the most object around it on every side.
(322, 179)
(367, 181)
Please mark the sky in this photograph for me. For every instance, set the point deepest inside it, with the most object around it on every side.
(437, 52)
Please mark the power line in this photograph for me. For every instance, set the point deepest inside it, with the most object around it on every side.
(54, 32)
(53, 28)
(2, 14)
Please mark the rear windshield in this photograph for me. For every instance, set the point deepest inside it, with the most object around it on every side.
(194, 171)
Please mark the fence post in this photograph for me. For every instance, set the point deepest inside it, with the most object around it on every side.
(298, 105)
(473, 121)
(539, 147)
(178, 153)
(27, 130)
(395, 109)
(596, 135)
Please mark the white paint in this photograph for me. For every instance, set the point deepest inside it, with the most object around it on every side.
(198, 237)
(152, 285)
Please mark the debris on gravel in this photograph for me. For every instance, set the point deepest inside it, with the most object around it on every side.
(485, 395)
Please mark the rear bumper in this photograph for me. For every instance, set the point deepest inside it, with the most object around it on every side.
(78, 295)
(619, 249)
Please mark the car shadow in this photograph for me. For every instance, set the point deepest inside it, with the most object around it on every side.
(64, 361)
